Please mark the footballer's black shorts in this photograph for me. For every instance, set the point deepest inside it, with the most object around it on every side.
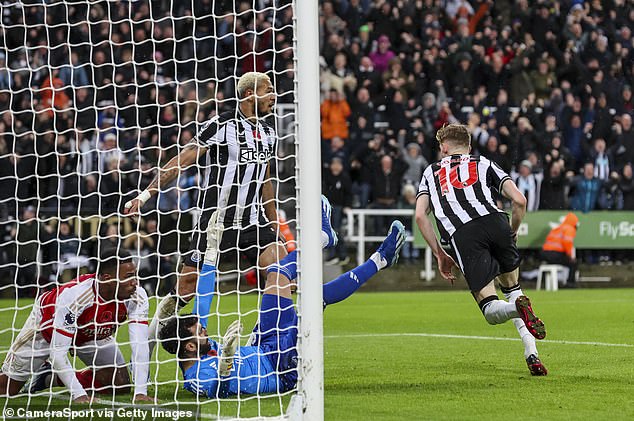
(485, 248)
(249, 241)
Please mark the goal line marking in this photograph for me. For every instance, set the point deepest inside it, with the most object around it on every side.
(484, 338)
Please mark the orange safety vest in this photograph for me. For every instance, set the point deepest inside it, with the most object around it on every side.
(561, 238)
(287, 233)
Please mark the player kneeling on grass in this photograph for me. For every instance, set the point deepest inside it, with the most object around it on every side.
(82, 317)
(269, 364)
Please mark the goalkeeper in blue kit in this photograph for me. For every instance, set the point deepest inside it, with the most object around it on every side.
(268, 364)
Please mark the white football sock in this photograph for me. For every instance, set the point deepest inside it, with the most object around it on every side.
(378, 260)
(498, 311)
(324, 239)
(530, 345)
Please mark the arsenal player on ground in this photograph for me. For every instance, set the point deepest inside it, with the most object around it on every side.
(82, 317)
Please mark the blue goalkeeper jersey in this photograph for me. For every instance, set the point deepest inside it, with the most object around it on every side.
(252, 372)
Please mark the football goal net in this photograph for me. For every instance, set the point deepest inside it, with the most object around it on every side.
(96, 98)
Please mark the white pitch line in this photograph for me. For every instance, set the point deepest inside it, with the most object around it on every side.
(485, 338)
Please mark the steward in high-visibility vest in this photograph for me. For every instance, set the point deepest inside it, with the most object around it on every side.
(559, 246)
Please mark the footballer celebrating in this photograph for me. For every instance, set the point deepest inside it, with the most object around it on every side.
(269, 363)
(239, 146)
(459, 190)
(81, 317)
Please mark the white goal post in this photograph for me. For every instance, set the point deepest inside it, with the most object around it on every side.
(311, 347)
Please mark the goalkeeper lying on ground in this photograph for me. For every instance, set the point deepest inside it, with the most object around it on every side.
(269, 364)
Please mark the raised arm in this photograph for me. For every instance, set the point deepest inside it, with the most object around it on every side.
(188, 156)
(445, 262)
(518, 203)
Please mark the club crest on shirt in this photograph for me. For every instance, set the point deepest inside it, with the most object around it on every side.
(195, 256)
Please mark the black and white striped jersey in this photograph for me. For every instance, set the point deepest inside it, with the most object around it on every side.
(238, 154)
(459, 187)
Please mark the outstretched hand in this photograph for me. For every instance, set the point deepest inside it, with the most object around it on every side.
(445, 265)
(131, 208)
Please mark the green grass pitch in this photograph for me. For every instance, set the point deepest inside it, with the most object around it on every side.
(431, 355)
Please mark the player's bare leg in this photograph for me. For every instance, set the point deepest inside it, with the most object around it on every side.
(104, 381)
(8, 386)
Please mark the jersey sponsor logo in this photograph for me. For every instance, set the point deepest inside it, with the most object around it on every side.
(251, 155)
(101, 332)
(69, 319)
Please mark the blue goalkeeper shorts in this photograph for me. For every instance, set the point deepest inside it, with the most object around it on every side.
(276, 335)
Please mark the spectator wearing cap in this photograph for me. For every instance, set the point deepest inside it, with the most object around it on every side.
(337, 187)
(529, 184)
(334, 116)
(382, 55)
(365, 41)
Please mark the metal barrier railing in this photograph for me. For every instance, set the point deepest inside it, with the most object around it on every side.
(357, 218)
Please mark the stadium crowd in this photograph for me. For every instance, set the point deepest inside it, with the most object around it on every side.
(93, 97)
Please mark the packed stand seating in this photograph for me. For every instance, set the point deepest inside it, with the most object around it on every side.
(544, 86)
(123, 85)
